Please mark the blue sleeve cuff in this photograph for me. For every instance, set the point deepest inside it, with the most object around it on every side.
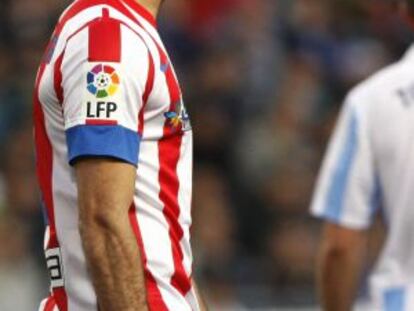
(103, 141)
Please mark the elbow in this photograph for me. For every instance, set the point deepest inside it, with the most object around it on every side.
(98, 230)
(101, 228)
(331, 256)
(341, 243)
(98, 222)
(335, 250)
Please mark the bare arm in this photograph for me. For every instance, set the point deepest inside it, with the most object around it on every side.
(106, 190)
(341, 257)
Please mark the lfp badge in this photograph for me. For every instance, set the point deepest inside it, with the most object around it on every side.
(103, 81)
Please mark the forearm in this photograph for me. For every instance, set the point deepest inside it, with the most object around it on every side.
(338, 281)
(105, 191)
(113, 260)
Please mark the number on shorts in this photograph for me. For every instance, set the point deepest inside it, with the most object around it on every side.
(54, 265)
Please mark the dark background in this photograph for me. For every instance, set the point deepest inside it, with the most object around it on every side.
(263, 81)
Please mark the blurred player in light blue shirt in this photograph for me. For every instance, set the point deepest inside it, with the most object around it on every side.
(370, 163)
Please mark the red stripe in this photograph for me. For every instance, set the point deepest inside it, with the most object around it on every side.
(44, 154)
(58, 78)
(155, 300)
(174, 89)
(44, 157)
(169, 154)
(148, 88)
(44, 167)
(105, 39)
(50, 304)
(101, 122)
(81, 5)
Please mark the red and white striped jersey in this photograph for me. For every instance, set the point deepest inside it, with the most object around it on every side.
(106, 87)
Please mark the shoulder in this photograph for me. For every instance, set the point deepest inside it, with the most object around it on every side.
(106, 38)
(381, 86)
(104, 15)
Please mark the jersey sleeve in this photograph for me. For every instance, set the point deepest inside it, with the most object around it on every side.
(104, 71)
(347, 190)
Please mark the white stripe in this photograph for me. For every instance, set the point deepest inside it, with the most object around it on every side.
(184, 198)
(131, 23)
(78, 285)
(48, 96)
(192, 298)
(46, 238)
(329, 164)
(73, 81)
(134, 76)
(43, 304)
(79, 288)
(151, 220)
(73, 25)
(172, 298)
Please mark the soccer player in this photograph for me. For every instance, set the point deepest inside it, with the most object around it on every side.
(370, 163)
(114, 163)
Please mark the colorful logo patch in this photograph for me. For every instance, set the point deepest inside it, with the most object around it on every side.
(179, 118)
(103, 81)
(173, 118)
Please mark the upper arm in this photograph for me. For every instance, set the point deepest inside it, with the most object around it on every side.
(104, 70)
(103, 74)
(348, 187)
(340, 240)
(105, 189)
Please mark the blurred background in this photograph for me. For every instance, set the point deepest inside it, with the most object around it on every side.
(263, 81)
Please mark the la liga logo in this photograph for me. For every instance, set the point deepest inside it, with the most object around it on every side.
(103, 81)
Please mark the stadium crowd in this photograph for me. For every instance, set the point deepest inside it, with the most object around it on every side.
(263, 81)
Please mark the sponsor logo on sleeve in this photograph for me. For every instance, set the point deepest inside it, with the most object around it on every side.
(178, 119)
